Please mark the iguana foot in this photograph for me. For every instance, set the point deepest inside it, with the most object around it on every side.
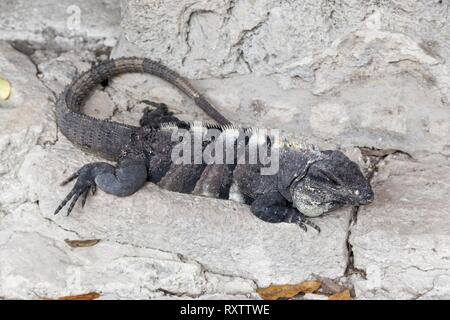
(272, 207)
(123, 180)
(302, 221)
(85, 182)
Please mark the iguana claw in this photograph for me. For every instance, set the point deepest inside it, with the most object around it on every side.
(303, 222)
(123, 180)
(85, 182)
(311, 224)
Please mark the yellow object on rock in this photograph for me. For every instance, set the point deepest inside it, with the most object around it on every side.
(5, 89)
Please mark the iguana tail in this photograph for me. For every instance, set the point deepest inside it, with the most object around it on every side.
(108, 137)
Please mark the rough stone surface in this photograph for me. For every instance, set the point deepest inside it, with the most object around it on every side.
(150, 247)
(353, 73)
(65, 23)
(25, 120)
(232, 250)
(367, 73)
(402, 241)
(29, 99)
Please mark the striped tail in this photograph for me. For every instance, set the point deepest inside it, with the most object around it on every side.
(108, 137)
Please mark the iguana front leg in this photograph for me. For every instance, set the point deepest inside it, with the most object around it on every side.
(123, 180)
(273, 207)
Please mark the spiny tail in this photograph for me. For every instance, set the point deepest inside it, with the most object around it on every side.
(108, 137)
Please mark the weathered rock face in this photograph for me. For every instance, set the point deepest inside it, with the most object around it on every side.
(366, 73)
(63, 23)
(402, 241)
(25, 120)
(29, 98)
(356, 73)
(222, 237)
(154, 244)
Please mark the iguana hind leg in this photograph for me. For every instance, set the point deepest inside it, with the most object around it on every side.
(123, 180)
(272, 207)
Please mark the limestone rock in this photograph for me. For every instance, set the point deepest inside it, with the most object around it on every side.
(30, 103)
(347, 73)
(367, 74)
(25, 120)
(62, 23)
(401, 241)
(221, 236)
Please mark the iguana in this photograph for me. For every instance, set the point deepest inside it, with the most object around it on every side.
(308, 183)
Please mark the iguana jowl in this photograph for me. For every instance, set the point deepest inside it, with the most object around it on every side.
(308, 183)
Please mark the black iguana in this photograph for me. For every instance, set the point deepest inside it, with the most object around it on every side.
(308, 183)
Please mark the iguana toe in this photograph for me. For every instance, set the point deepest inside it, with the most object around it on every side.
(312, 225)
(303, 222)
(85, 182)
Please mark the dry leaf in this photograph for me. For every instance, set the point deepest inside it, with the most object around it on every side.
(86, 296)
(82, 243)
(288, 290)
(344, 295)
(5, 89)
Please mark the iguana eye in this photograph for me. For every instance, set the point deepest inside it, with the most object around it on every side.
(329, 178)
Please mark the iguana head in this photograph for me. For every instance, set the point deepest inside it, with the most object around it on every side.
(330, 183)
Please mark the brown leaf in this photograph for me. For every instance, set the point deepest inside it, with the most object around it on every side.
(86, 296)
(82, 243)
(5, 89)
(344, 295)
(288, 290)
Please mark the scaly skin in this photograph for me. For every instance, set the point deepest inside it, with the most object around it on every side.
(308, 183)
(108, 138)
